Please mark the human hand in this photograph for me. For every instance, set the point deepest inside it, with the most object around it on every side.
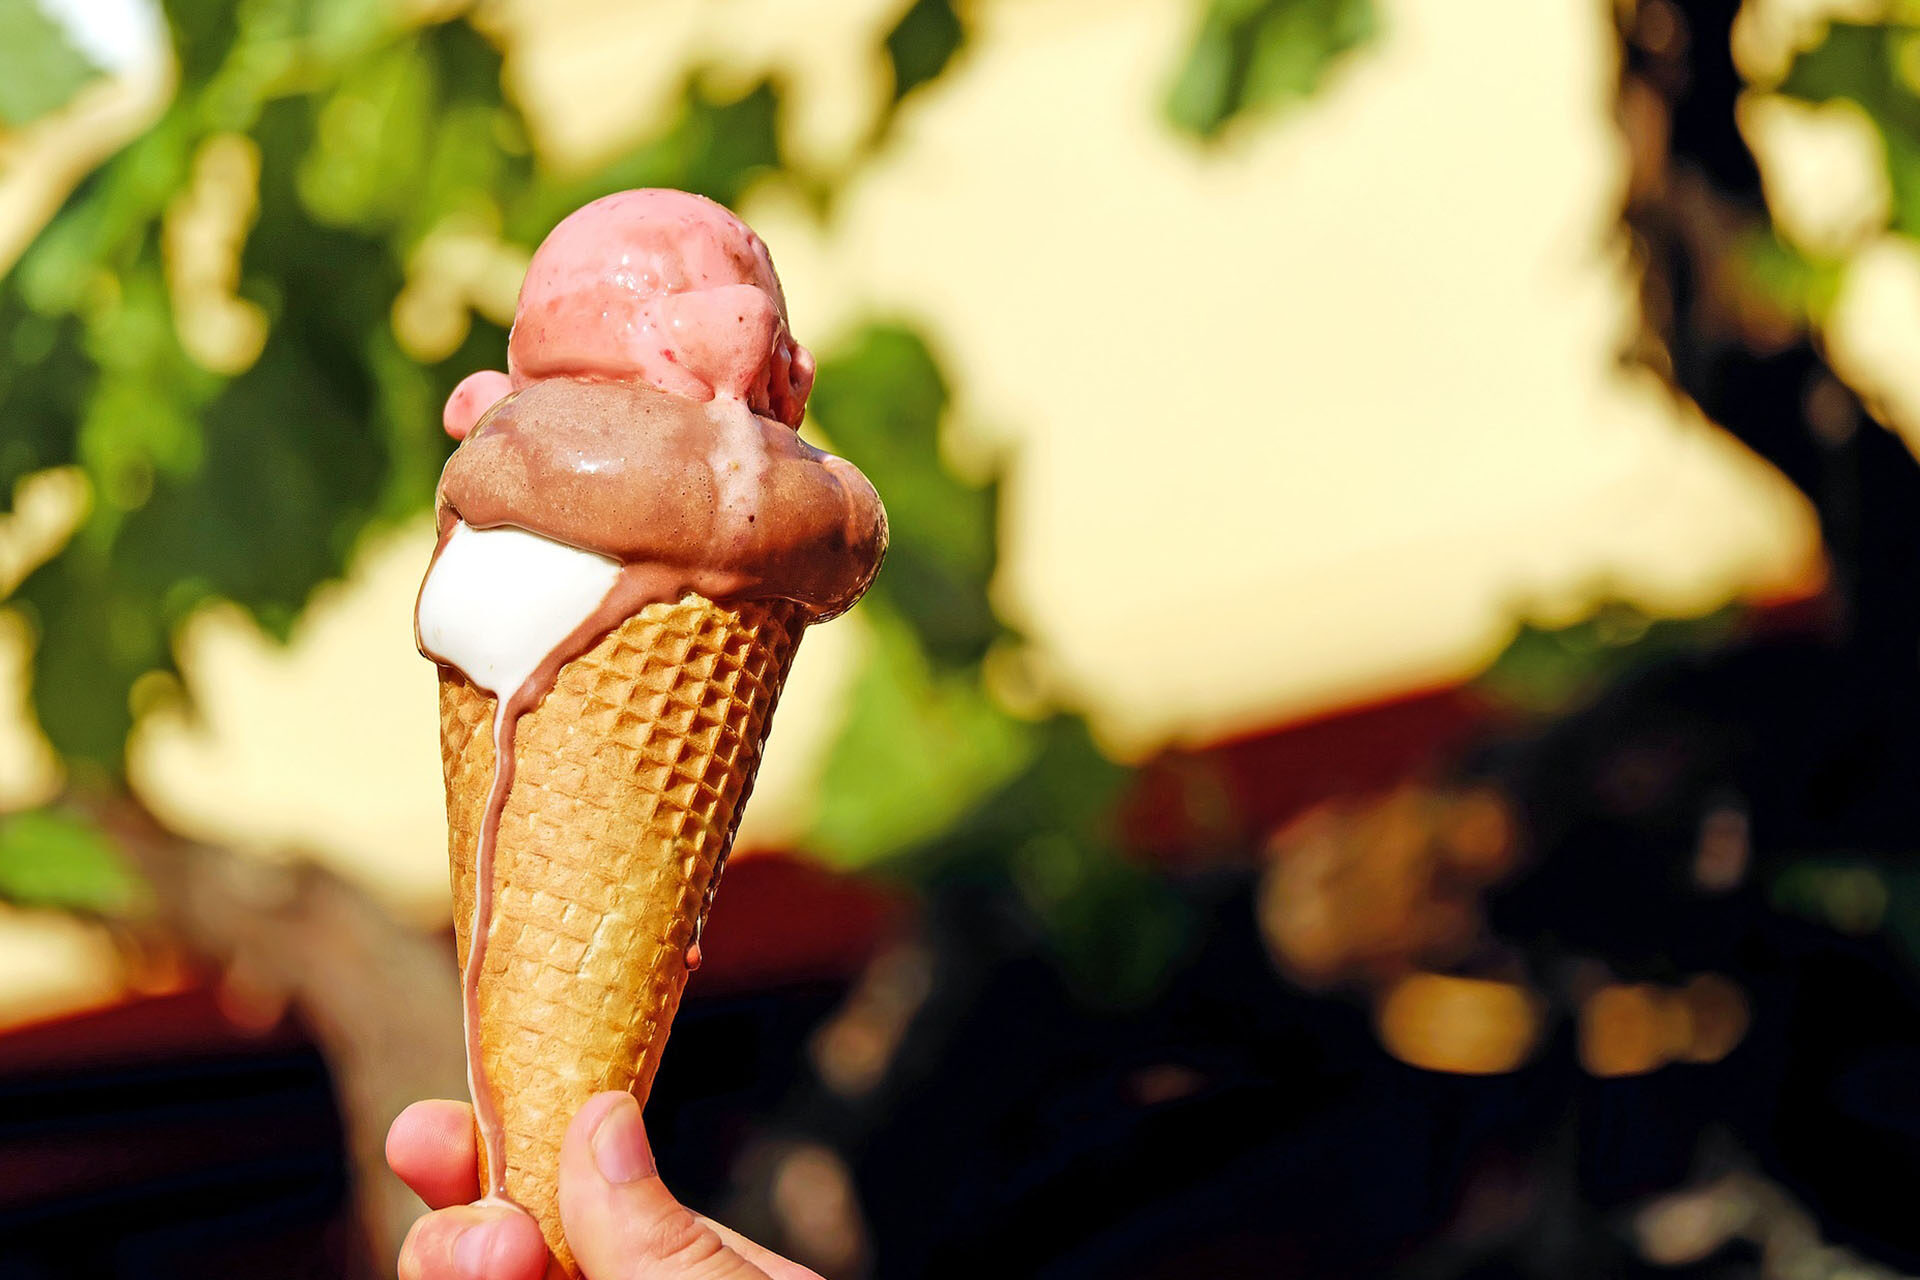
(621, 1221)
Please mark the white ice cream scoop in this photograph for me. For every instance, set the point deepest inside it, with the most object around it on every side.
(499, 601)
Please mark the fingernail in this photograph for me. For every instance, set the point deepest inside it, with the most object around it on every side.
(620, 1144)
(473, 1251)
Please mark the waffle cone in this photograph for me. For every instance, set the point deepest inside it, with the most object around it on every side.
(630, 777)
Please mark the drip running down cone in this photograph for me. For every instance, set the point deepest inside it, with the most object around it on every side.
(629, 780)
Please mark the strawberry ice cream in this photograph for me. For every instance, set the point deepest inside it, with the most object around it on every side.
(656, 286)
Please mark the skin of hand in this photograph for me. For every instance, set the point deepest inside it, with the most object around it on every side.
(621, 1221)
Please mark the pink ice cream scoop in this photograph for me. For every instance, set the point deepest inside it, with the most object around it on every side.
(658, 286)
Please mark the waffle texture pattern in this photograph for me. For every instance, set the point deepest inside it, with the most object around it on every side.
(630, 777)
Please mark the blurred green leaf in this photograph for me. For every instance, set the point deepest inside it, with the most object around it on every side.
(412, 132)
(928, 771)
(919, 748)
(1850, 62)
(40, 69)
(1554, 670)
(256, 486)
(53, 859)
(1800, 287)
(93, 639)
(254, 483)
(922, 44)
(45, 378)
(1852, 895)
(881, 398)
(1877, 67)
(1113, 927)
(1262, 53)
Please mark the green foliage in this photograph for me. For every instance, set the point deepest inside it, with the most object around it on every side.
(1262, 53)
(1876, 67)
(1851, 895)
(922, 44)
(254, 484)
(1853, 892)
(53, 859)
(881, 399)
(252, 478)
(928, 769)
(1772, 270)
(922, 742)
(40, 70)
(931, 777)
(920, 748)
(1112, 924)
(1555, 670)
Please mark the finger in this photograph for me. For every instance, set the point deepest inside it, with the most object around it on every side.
(477, 393)
(622, 1223)
(474, 1242)
(431, 1148)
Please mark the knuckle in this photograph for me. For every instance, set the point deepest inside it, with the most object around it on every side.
(684, 1244)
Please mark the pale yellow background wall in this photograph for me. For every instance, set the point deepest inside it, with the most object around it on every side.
(1305, 418)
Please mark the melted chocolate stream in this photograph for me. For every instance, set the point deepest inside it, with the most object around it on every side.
(486, 1107)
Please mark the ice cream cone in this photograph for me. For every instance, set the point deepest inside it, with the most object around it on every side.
(629, 780)
(632, 538)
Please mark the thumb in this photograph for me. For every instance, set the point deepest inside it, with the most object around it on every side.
(620, 1219)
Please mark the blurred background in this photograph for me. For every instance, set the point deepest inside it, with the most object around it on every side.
(1386, 744)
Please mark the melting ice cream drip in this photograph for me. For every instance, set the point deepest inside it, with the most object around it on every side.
(499, 605)
(486, 1108)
